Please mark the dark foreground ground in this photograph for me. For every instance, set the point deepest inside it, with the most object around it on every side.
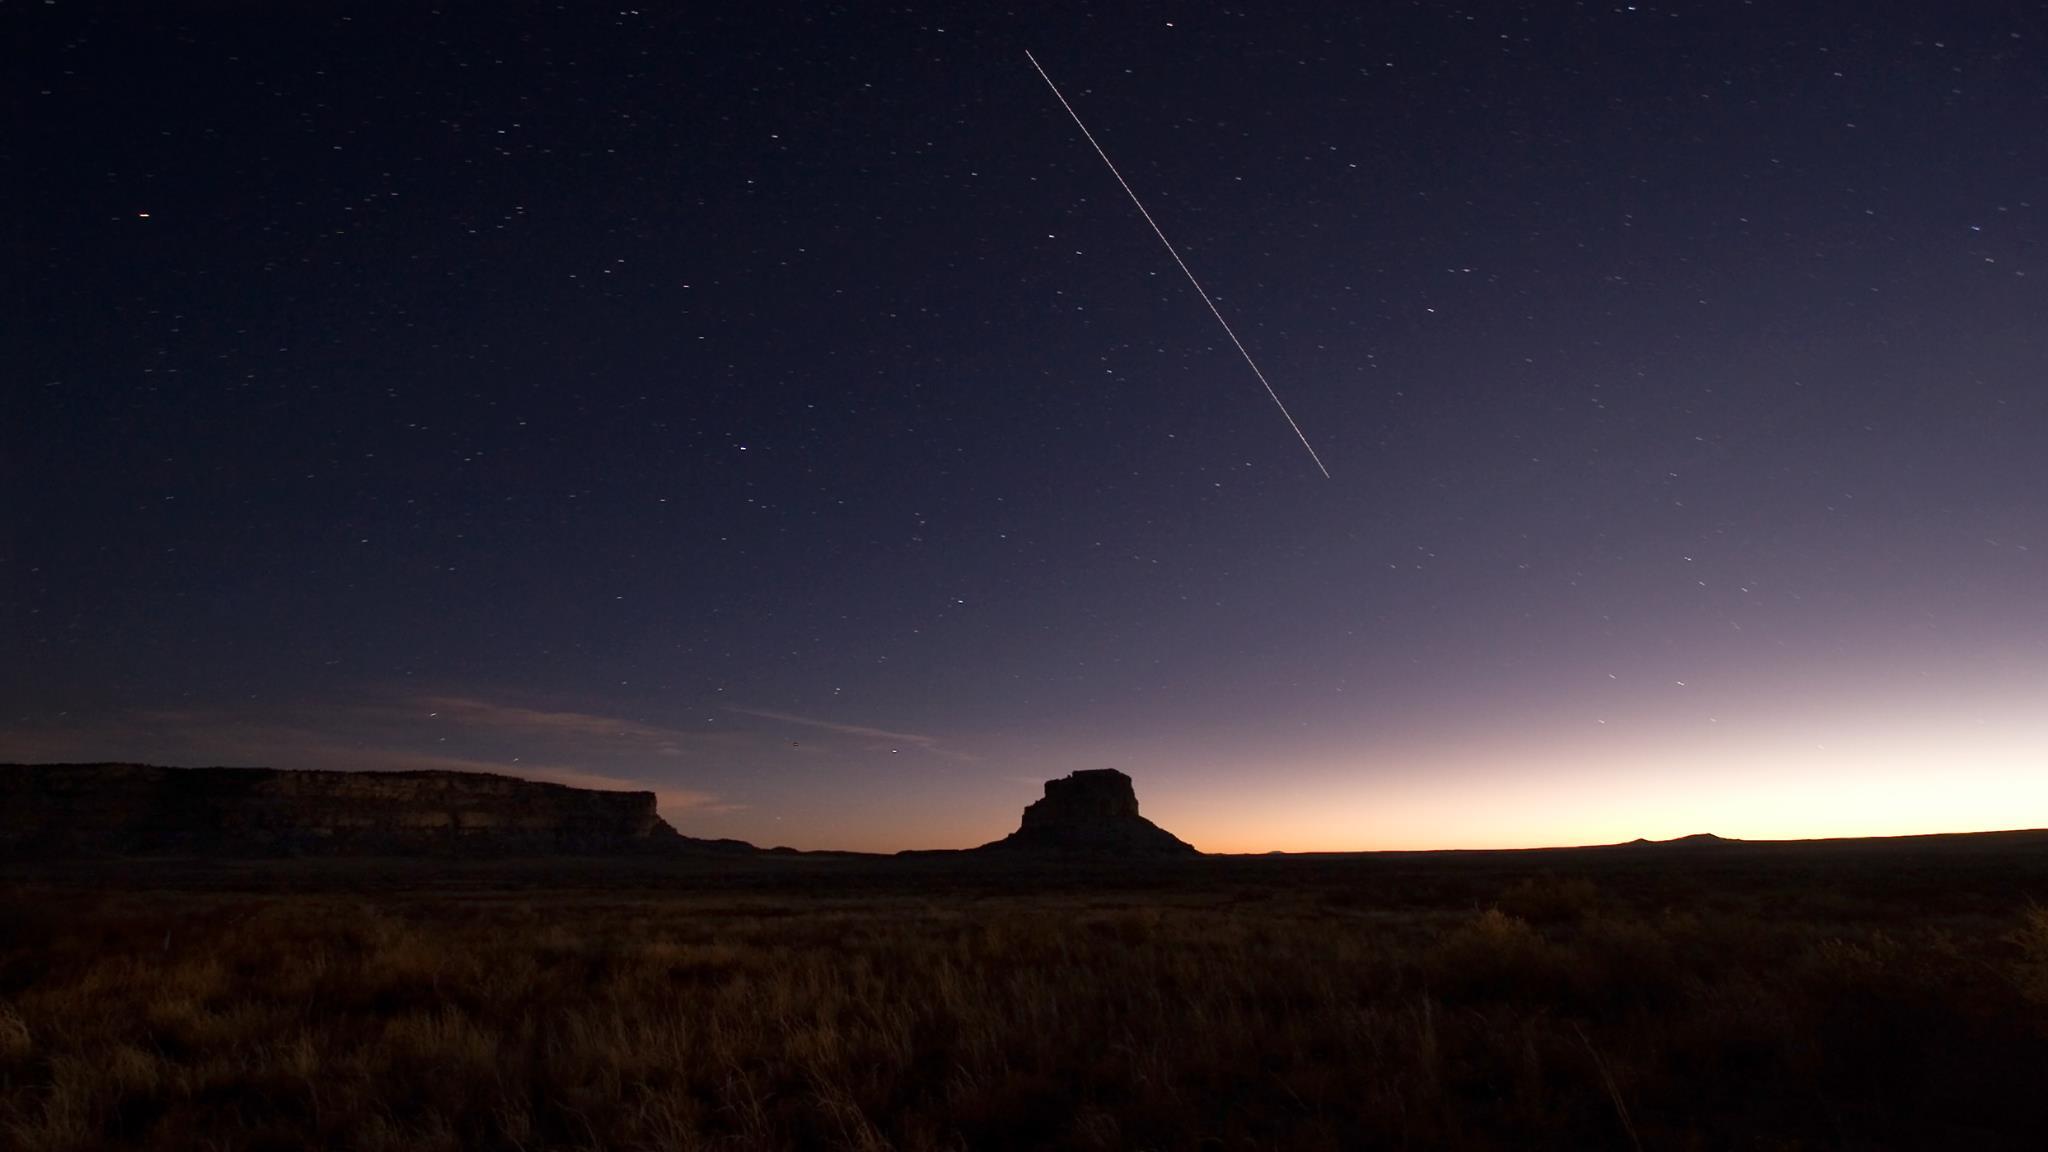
(1828, 997)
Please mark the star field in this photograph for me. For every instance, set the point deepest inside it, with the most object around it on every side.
(783, 409)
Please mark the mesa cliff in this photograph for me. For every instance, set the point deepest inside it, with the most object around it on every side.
(1092, 811)
(140, 809)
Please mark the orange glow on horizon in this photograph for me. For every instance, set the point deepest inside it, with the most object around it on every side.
(1796, 782)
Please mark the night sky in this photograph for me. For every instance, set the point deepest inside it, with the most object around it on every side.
(785, 410)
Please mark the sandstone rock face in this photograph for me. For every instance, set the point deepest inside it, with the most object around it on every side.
(1094, 811)
(139, 809)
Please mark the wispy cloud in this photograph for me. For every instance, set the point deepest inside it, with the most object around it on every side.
(537, 722)
(917, 740)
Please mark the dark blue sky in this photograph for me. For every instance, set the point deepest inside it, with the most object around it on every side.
(783, 408)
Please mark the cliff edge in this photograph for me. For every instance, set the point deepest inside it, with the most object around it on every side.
(50, 810)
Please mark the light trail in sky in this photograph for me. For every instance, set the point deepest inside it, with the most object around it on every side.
(1185, 270)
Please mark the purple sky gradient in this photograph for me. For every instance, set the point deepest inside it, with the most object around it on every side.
(785, 412)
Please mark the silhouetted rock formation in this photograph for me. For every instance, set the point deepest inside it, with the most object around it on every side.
(139, 809)
(1091, 811)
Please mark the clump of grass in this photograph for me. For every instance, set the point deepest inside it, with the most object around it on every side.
(2032, 968)
(1496, 956)
(15, 1043)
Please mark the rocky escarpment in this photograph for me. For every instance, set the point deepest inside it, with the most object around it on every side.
(1092, 811)
(138, 809)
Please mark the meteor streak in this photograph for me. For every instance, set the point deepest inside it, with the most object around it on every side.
(1175, 253)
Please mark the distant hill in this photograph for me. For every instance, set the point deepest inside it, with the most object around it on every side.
(57, 810)
(1696, 840)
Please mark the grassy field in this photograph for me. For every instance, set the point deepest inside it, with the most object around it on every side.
(1567, 1000)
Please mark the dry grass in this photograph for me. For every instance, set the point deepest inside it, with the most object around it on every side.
(1296, 1013)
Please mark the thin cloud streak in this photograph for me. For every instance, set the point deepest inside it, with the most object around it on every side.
(919, 741)
(533, 721)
